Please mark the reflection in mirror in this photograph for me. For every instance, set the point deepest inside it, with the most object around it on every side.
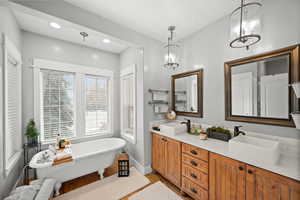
(261, 88)
(187, 98)
(186, 94)
(257, 88)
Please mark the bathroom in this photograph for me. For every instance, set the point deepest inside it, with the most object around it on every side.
(110, 45)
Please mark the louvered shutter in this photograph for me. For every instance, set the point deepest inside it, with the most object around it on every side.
(13, 110)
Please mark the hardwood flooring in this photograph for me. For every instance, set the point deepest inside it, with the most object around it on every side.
(90, 178)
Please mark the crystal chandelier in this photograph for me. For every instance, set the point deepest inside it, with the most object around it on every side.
(245, 25)
(171, 51)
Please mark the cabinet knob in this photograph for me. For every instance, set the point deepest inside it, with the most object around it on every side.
(241, 168)
(194, 152)
(193, 163)
(194, 176)
(250, 171)
(194, 190)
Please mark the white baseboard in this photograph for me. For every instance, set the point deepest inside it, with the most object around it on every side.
(148, 169)
(143, 169)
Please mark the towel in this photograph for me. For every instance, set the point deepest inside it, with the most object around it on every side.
(63, 154)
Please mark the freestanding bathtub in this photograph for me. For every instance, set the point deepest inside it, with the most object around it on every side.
(88, 157)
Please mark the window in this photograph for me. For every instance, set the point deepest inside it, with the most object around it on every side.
(12, 106)
(128, 104)
(96, 106)
(72, 101)
(57, 104)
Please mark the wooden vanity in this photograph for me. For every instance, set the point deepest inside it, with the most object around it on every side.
(206, 175)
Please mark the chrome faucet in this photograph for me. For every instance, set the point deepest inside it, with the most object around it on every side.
(237, 131)
(188, 125)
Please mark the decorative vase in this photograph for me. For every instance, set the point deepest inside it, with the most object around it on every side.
(32, 141)
(171, 115)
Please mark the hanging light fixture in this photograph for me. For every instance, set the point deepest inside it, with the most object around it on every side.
(84, 35)
(245, 25)
(172, 50)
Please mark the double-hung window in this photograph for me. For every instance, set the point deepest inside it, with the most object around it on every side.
(72, 101)
(57, 104)
(96, 105)
(128, 103)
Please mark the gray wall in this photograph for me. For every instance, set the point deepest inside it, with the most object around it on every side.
(152, 59)
(129, 57)
(153, 76)
(209, 48)
(38, 46)
(8, 26)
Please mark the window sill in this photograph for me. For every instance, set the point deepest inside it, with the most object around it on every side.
(81, 139)
(129, 138)
(12, 163)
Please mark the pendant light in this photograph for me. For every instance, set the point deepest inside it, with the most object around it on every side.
(172, 50)
(84, 35)
(245, 25)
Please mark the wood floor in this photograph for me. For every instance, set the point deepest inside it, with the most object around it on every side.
(90, 178)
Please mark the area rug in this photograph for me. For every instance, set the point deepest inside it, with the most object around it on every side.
(110, 188)
(156, 191)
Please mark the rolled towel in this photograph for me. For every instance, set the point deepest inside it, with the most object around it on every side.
(65, 153)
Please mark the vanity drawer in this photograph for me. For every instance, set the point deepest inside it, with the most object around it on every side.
(195, 152)
(194, 190)
(195, 175)
(195, 163)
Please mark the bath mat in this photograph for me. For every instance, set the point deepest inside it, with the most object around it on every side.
(157, 191)
(110, 188)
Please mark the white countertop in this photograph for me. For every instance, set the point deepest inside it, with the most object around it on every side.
(288, 164)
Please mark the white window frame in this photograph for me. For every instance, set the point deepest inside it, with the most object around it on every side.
(131, 70)
(11, 54)
(79, 94)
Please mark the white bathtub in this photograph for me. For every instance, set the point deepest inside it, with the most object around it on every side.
(88, 157)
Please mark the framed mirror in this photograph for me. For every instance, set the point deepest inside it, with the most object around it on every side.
(187, 93)
(257, 88)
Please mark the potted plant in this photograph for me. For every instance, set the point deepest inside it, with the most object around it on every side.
(219, 133)
(32, 133)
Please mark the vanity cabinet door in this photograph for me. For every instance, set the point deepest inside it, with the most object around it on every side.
(265, 185)
(173, 161)
(227, 178)
(158, 153)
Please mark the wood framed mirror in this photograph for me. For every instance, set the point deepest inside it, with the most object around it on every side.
(257, 88)
(187, 93)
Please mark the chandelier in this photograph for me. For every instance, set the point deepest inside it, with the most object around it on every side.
(171, 51)
(245, 25)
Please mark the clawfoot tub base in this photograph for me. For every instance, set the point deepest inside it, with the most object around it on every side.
(101, 173)
(57, 187)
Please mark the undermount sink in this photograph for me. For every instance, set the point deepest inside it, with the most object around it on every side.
(173, 128)
(255, 149)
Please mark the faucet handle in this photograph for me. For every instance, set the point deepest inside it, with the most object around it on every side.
(237, 128)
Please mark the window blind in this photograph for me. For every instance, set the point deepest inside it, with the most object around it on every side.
(57, 105)
(96, 104)
(12, 111)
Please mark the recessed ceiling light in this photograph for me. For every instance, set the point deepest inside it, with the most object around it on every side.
(55, 25)
(106, 40)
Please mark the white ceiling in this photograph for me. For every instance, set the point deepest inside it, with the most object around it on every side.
(152, 17)
(38, 22)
